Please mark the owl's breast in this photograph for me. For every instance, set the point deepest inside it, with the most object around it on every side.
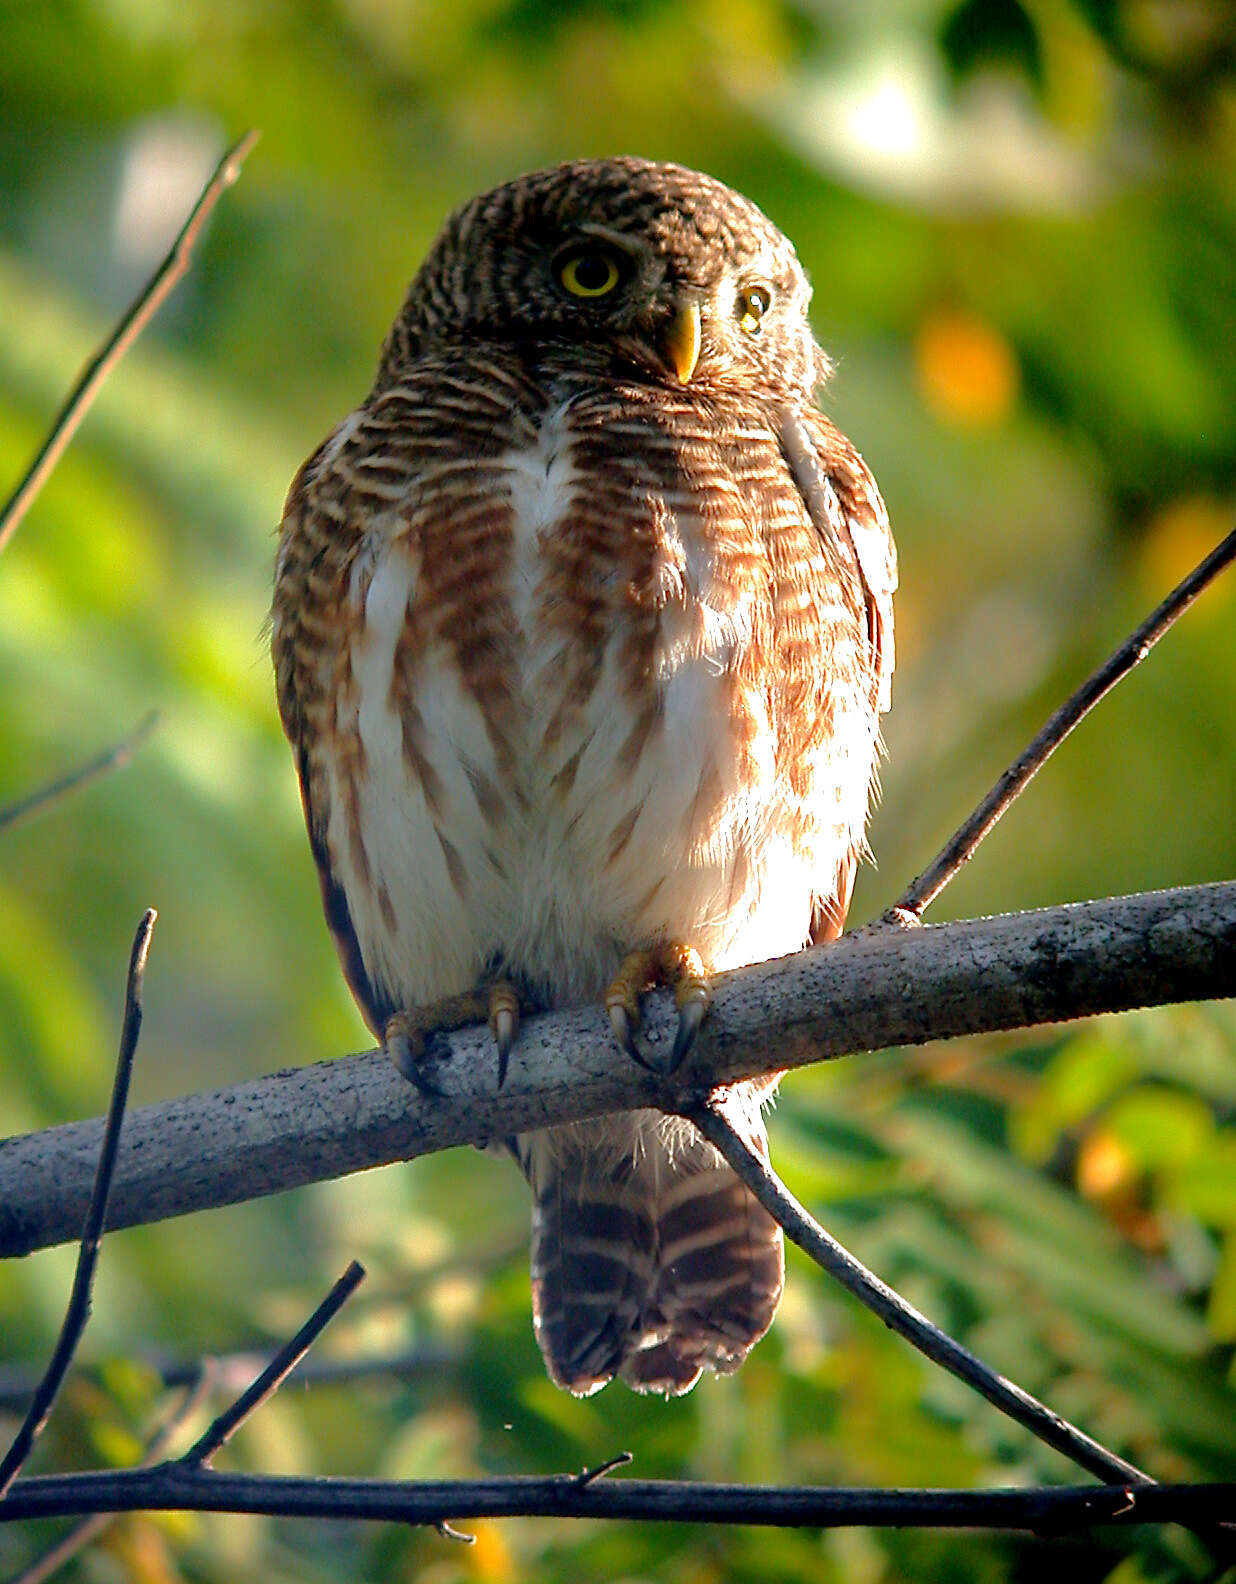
(635, 756)
(559, 717)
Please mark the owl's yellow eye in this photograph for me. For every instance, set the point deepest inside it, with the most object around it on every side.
(753, 303)
(589, 272)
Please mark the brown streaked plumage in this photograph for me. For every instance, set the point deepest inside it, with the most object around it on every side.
(582, 632)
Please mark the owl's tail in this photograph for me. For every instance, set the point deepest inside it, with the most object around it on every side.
(650, 1260)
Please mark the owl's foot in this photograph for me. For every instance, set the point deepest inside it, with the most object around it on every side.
(672, 963)
(407, 1037)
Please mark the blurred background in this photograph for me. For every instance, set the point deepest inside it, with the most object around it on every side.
(1020, 220)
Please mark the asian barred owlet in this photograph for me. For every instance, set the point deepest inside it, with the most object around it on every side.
(583, 629)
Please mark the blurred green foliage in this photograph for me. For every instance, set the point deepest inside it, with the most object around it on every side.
(1020, 217)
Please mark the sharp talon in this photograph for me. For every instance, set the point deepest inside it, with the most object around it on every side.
(425, 1086)
(404, 1053)
(404, 1042)
(622, 1001)
(620, 1023)
(690, 1017)
(623, 1026)
(503, 1023)
(640, 1060)
(400, 1050)
(416, 1038)
(669, 963)
(693, 996)
(504, 1033)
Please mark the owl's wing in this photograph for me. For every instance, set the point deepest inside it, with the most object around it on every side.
(313, 565)
(849, 515)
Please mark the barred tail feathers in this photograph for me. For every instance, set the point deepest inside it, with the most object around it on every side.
(650, 1260)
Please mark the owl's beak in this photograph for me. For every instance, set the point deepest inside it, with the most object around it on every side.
(682, 341)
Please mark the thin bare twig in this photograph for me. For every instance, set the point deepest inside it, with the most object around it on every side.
(921, 892)
(156, 290)
(272, 1377)
(619, 1460)
(78, 1311)
(82, 1534)
(233, 1370)
(894, 1311)
(114, 758)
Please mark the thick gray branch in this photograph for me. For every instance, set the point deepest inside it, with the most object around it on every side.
(869, 990)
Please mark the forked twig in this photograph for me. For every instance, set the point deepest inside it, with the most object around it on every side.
(114, 758)
(909, 907)
(78, 1310)
(194, 1465)
(270, 1379)
(894, 1311)
(81, 1535)
(77, 404)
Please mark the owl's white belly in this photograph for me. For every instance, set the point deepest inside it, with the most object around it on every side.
(554, 858)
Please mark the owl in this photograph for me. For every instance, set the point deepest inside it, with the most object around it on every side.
(582, 631)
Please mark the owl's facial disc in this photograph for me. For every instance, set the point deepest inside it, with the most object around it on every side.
(599, 263)
(677, 302)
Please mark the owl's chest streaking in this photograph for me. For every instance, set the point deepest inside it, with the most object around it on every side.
(569, 670)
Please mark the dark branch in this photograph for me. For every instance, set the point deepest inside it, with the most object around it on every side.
(709, 1117)
(114, 758)
(864, 992)
(78, 1311)
(961, 847)
(276, 1372)
(175, 1487)
(78, 402)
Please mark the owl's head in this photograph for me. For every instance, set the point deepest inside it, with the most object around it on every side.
(627, 264)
